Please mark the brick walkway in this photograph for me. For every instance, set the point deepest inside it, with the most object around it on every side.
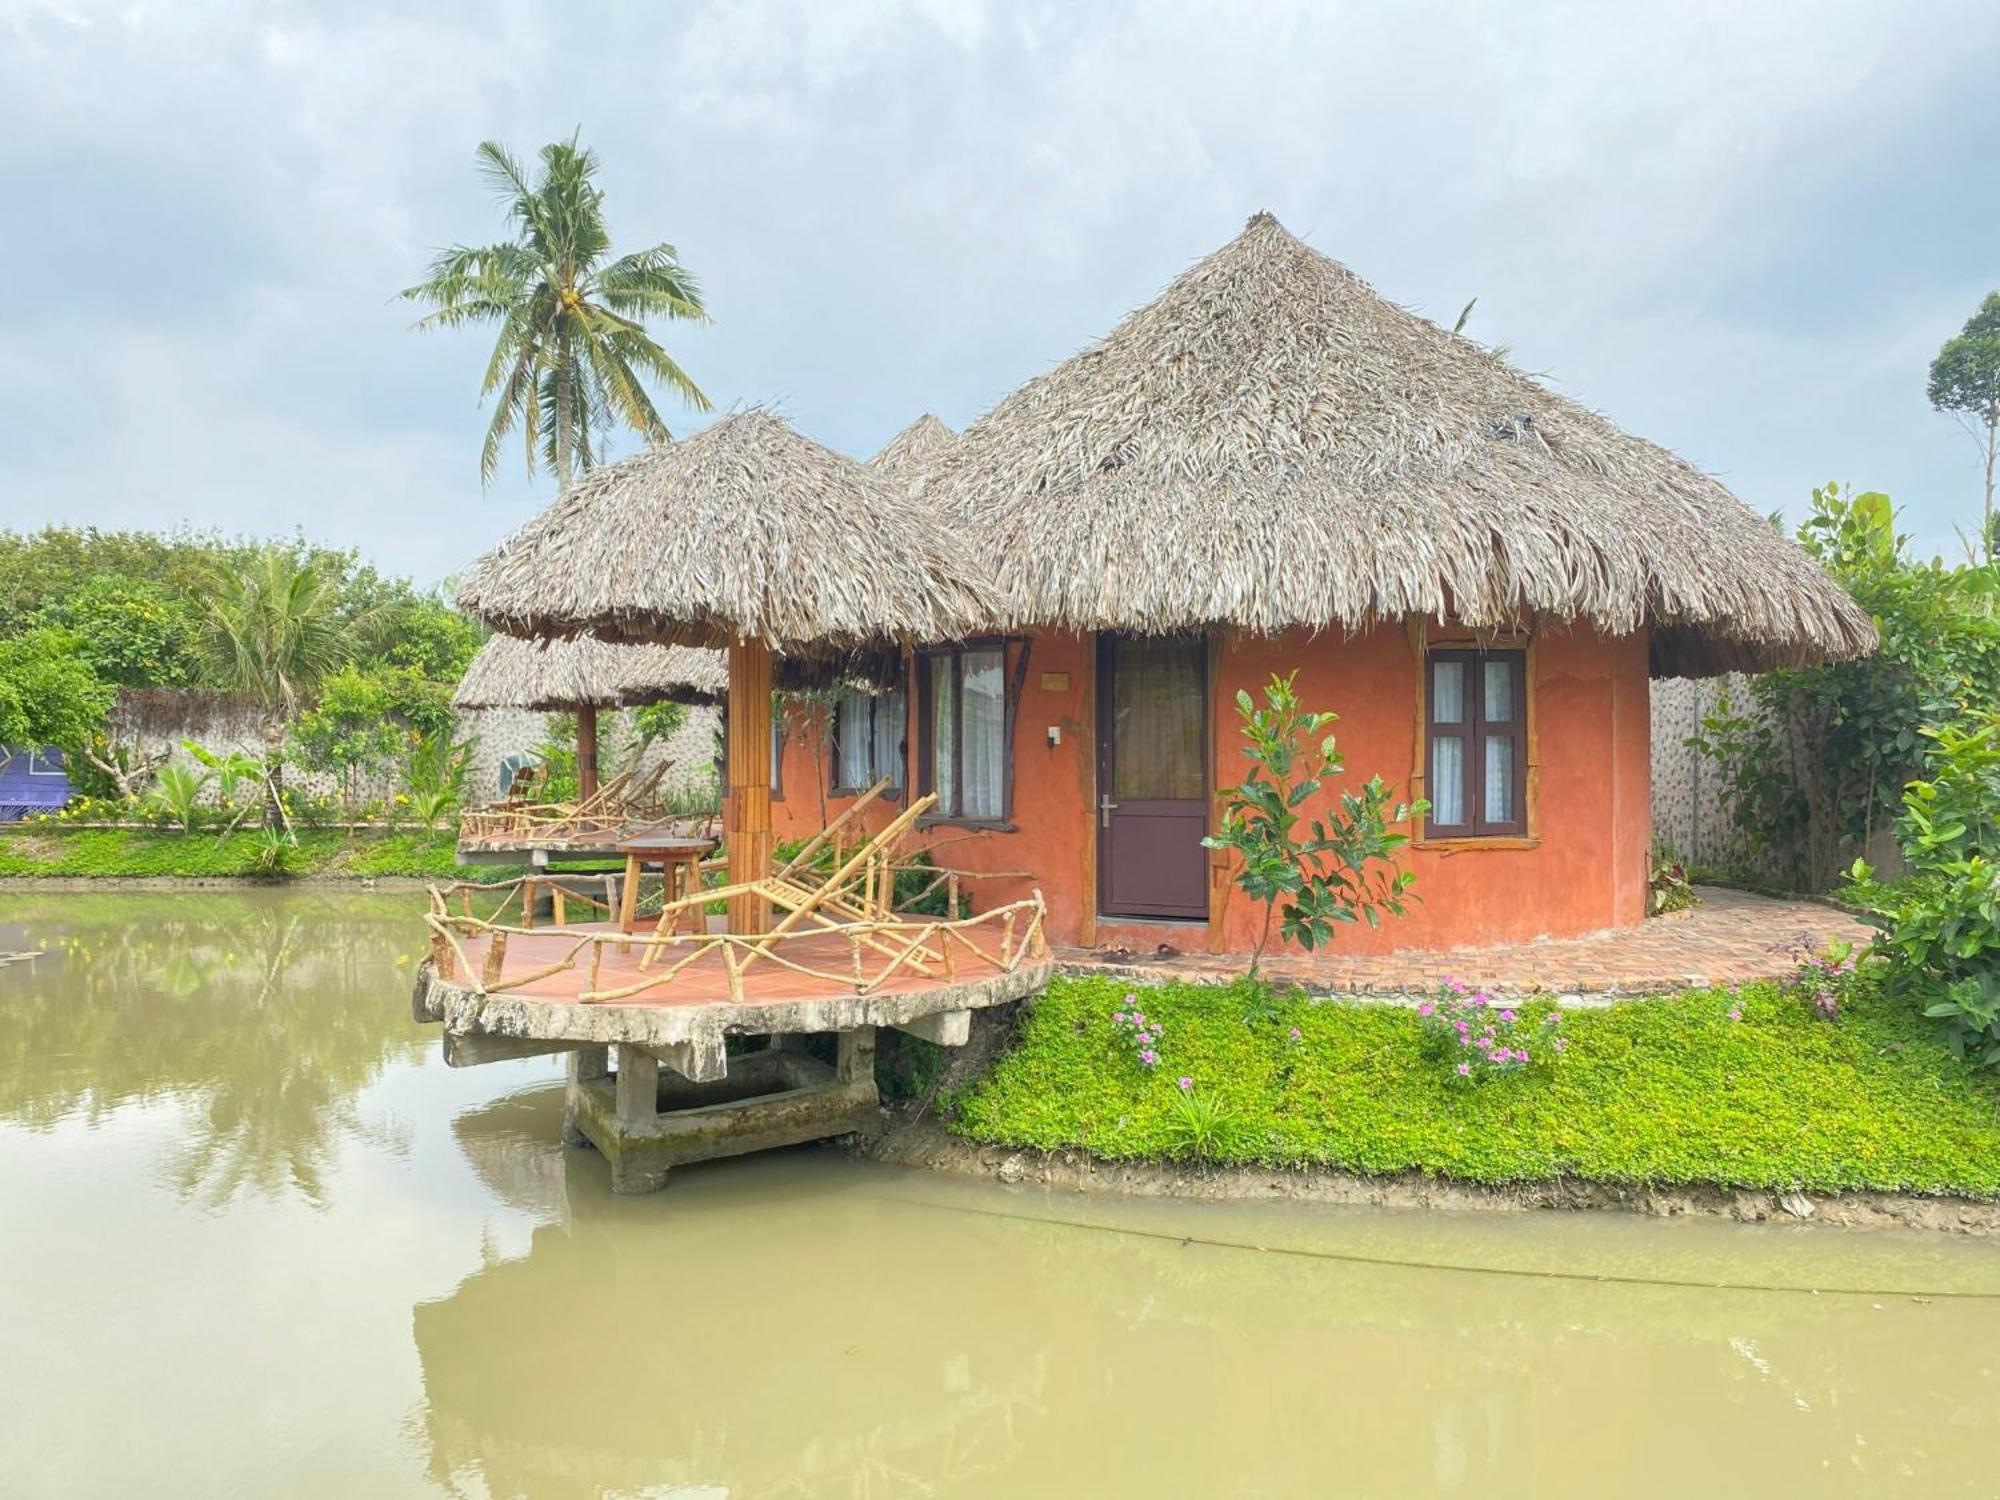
(1731, 938)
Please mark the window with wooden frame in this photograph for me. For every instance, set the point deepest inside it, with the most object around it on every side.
(1476, 743)
(867, 741)
(966, 700)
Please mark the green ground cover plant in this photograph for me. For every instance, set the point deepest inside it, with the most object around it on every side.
(115, 853)
(1743, 1088)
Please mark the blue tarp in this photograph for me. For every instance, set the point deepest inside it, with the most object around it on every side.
(31, 781)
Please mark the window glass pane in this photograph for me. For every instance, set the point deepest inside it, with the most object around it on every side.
(1447, 788)
(889, 738)
(1448, 692)
(944, 748)
(983, 723)
(1157, 697)
(1499, 706)
(851, 741)
(1499, 779)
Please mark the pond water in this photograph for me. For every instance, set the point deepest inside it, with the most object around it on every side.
(257, 1240)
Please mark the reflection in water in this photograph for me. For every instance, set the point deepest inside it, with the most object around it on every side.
(372, 1275)
(262, 1012)
(805, 1325)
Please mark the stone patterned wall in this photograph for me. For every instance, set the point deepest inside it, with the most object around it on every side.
(1688, 813)
(495, 734)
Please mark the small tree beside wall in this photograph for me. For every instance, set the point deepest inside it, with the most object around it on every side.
(1310, 873)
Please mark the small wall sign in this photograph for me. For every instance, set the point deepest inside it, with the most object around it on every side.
(1055, 682)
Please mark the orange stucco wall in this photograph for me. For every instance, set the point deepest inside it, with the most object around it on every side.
(1589, 799)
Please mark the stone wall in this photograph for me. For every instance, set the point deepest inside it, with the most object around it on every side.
(160, 722)
(1689, 815)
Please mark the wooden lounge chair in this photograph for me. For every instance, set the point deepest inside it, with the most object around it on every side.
(860, 889)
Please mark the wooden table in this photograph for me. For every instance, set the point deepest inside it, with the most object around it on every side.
(679, 858)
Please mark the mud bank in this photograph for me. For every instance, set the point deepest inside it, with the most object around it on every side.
(925, 1143)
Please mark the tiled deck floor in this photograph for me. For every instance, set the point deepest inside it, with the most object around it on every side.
(1731, 938)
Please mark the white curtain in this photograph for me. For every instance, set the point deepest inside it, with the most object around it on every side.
(889, 718)
(1447, 788)
(984, 722)
(944, 748)
(851, 741)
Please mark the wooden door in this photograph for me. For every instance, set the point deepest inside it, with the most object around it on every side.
(1152, 776)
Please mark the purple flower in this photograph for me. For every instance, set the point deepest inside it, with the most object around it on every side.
(1149, 1058)
(1507, 1015)
(1186, 1084)
(1484, 1044)
(1465, 1070)
(1426, 1009)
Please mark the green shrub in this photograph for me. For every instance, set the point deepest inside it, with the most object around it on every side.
(1941, 921)
(1319, 871)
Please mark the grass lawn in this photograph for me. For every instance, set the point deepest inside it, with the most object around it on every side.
(1658, 1092)
(127, 852)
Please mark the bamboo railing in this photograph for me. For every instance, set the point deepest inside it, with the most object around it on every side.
(877, 950)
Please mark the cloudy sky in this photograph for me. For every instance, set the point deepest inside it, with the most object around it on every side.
(1739, 229)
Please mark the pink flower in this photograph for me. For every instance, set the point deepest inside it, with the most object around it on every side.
(1562, 1044)
(1295, 1033)
(1186, 1084)
(1737, 1014)
(1484, 1044)
(1506, 1015)
(1149, 1058)
(1465, 1070)
(1426, 1009)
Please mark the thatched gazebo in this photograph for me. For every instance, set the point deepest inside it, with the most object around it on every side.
(1270, 444)
(909, 457)
(748, 537)
(583, 676)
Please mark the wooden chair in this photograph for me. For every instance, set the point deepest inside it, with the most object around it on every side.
(860, 889)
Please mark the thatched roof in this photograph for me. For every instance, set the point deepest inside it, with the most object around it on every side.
(748, 530)
(1271, 444)
(911, 454)
(510, 672)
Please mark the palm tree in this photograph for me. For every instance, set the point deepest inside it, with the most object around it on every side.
(573, 346)
(274, 631)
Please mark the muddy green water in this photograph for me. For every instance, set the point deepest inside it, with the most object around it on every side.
(257, 1240)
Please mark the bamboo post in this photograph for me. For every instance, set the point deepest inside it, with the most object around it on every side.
(854, 947)
(596, 962)
(586, 752)
(556, 896)
(734, 970)
(496, 958)
(528, 894)
(886, 901)
(747, 820)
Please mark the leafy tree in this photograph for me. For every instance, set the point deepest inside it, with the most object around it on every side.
(131, 630)
(1941, 921)
(1821, 761)
(365, 721)
(572, 350)
(1321, 870)
(1965, 381)
(49, 696)
(275, 631)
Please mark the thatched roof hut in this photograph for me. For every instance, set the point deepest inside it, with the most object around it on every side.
(909, 457)
(748, 530)
(510, 672)
(1270, 444)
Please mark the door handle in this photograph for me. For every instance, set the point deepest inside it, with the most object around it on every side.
(1104, 808)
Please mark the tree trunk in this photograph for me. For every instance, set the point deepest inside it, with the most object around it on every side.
(274, 774)
(1992, 444)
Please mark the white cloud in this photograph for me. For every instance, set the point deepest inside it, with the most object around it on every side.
(896, 207)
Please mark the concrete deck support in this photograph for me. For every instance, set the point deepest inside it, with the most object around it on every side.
(586, 1065)
(645, 1120)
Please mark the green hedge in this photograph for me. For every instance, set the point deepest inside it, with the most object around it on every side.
(1668, 1091)
(108, 853)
